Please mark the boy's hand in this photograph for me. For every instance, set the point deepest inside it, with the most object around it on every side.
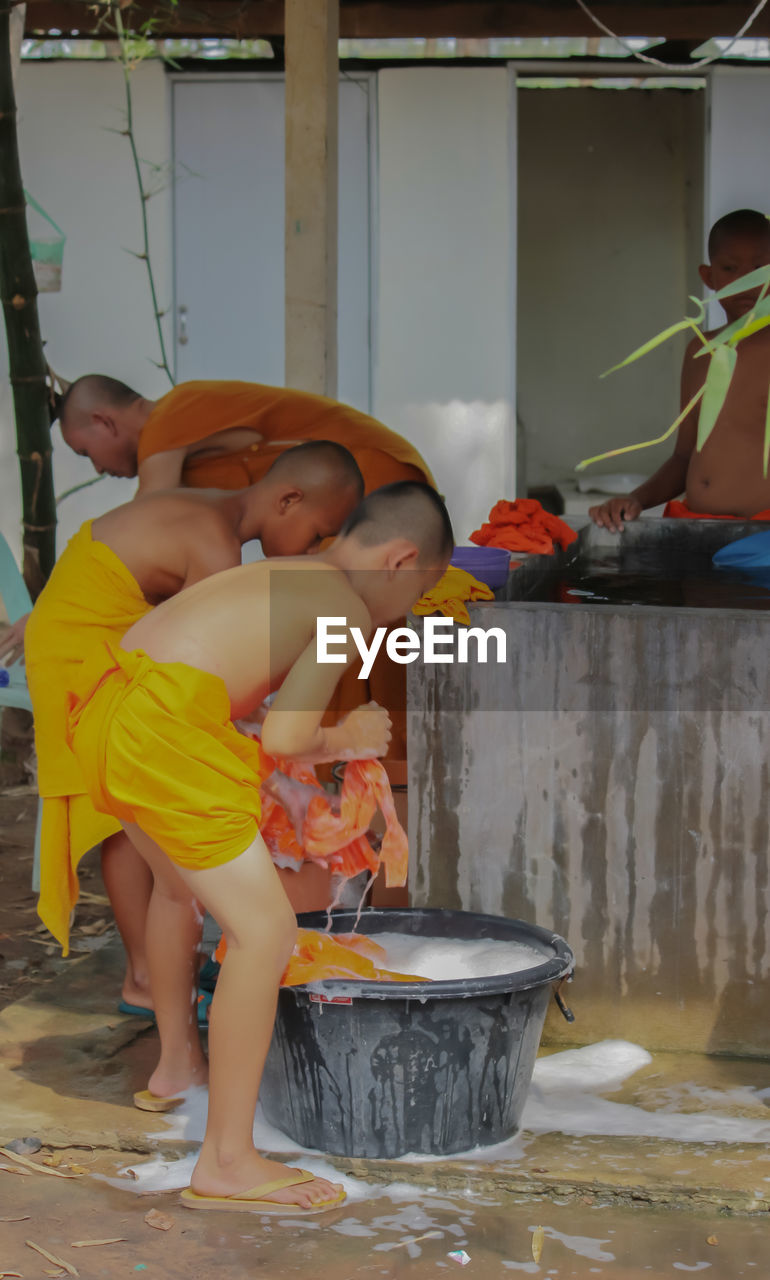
(610, 515)
(365, 732)
(12, 641)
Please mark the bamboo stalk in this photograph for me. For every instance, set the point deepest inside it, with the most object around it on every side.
(28, 370)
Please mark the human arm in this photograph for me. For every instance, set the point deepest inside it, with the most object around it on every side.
(671, 478)
(12, 640)
(161, 471)
(292, 727)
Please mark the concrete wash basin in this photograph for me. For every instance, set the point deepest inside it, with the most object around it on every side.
(610, 781)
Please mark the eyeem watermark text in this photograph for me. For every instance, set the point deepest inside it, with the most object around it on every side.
(441, 641)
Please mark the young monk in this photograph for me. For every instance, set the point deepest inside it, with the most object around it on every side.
(726, 477)
(152, 729)
(111, 573)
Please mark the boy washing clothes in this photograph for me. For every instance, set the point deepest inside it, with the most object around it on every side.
(152, 729)
(726, 478)
(111, 573)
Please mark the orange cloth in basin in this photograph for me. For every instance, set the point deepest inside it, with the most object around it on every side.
(523, 525)
(318, 956)
(677, 510)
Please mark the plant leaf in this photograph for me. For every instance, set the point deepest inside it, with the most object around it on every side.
(715, 388)
(732, 333)
(645, 444)
(753, 280)
(654, 342)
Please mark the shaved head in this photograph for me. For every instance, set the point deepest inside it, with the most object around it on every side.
(100, 419)
(319, 465)
(404, 510)
(88, 393)
(741, 224)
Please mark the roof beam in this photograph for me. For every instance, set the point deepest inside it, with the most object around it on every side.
(392, 18)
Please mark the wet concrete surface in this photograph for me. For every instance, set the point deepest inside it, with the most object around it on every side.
(610, 1204)
(69, 1064)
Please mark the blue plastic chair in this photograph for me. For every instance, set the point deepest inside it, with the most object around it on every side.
(13, 590)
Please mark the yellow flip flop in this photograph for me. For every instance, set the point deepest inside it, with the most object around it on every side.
(253, 1201)
(147, 1101)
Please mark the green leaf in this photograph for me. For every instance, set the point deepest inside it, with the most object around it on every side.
(715, 388)
(733, 333)
(654, 342)
(753, 280)
(645, 444)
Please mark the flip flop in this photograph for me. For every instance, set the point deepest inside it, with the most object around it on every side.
(146, 1101)
(253, 1201)
(138, 1011)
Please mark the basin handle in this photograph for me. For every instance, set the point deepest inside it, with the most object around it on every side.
(567, 1012)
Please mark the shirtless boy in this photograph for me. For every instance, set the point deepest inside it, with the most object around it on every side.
(153, 733)
(726, 477)
(110, 574)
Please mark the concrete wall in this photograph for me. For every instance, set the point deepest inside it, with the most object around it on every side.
(610, 782)
(445, 348)
(101, 321)
(609, 242)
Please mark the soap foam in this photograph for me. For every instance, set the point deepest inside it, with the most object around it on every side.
(452, 959)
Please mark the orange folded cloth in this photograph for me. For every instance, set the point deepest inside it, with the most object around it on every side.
(677, 510)
(341, 837)
(450, 593)
(523, 525)
(324, 955)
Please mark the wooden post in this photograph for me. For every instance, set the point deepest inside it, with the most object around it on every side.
(312, 70)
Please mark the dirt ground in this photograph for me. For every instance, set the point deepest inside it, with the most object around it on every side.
(28, 953)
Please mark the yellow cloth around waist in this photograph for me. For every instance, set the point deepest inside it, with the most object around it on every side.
(90, 597)
(157, 748)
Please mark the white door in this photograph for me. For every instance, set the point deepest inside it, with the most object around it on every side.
(229, 232)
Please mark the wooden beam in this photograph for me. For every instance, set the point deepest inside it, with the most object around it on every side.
(386, 19)
(312, 92)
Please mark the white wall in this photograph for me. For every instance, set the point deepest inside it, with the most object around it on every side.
(101, 321)
(737, 147)
(445, 348)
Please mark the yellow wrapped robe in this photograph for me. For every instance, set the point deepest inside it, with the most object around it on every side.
(90, 597)
(157, 748)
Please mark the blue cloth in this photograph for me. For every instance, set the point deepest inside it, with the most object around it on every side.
(750, 554)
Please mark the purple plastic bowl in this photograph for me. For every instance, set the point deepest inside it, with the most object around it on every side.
(488, 564)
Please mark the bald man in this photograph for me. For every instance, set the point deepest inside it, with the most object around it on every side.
(221, 435)
(225, 435)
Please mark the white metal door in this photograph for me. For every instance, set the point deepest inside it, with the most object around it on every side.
(229, 232)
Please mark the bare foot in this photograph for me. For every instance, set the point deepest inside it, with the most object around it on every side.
(253, 1170)
(133, 993)
(169, 1079)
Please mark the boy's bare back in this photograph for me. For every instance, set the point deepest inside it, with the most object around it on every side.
(250, 625)
(167, 540)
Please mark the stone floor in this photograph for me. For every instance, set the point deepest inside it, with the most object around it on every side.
(609, 1201)
(619, 1206)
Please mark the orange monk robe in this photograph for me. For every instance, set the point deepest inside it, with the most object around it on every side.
(677, 510)
(90, 597)
(194, 411)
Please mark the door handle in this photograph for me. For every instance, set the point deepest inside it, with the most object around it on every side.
(182, 337)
